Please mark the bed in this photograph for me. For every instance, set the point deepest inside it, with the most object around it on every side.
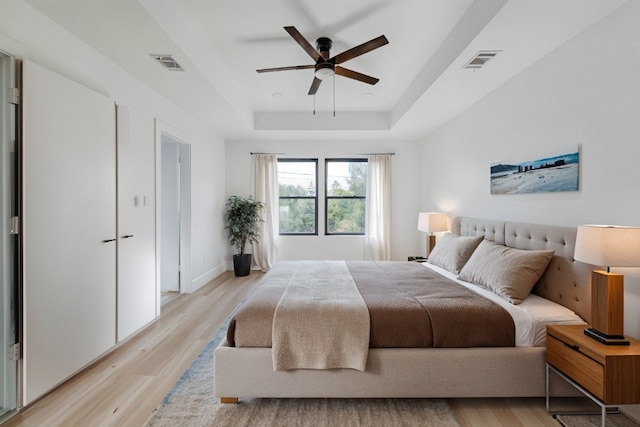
(501, 370)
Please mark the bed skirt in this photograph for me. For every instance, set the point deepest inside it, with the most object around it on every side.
(391, 373)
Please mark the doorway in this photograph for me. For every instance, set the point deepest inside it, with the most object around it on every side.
(9, 237)
(175, 213)
(170, 213)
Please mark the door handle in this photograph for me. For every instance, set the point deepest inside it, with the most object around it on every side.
(126, 236)
(108, 240)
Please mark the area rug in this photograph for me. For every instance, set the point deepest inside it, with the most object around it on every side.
(191, 402)
(613, 420)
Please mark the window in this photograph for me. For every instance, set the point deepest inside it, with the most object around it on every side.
(297, 180)
(346, 191)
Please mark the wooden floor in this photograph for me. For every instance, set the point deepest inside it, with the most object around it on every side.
(502, 412)
(124, 387)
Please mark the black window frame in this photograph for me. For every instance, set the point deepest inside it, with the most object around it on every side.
(327, 197)
(315, 198)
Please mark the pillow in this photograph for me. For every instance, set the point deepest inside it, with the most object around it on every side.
(453, 251)
(509, 273)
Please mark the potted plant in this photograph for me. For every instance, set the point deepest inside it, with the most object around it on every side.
(242, 216)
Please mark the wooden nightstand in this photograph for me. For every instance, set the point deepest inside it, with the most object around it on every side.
(608, 374)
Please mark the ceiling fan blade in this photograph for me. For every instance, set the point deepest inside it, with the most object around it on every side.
(359, 50)
(314, 86)
(293, 67)
(345, 72)
(303, 43)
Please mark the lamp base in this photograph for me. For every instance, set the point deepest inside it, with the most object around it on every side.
(606, 339)
(431, 243)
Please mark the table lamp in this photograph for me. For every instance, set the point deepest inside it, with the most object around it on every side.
(608, 246)
(432, 222)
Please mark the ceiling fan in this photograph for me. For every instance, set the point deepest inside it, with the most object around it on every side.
(326, 66)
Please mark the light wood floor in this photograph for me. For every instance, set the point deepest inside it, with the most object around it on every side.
(124, 387)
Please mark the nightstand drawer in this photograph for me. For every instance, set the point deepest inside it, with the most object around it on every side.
(582, 369)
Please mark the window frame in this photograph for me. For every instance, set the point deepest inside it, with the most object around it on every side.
(327, 197)
(315, 198)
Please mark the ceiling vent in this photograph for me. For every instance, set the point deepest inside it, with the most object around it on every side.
(481, 58)
(168, 62)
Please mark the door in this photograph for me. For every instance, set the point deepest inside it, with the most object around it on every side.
(69, 227)
(170, 214)
(136, 227)
(9, 243)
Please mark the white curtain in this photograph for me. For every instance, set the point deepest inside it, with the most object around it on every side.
(265, 190)
(377, 226)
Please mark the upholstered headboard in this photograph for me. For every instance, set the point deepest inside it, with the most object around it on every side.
(565, 281)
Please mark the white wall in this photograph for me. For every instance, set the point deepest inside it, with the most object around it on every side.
(405, 194)
(27, 34)
(586, 94)
(208, 240)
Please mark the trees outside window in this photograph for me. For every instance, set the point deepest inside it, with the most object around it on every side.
(346, 191)
(297, 181)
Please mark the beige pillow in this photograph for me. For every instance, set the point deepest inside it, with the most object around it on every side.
(453, 251)
(508, 272)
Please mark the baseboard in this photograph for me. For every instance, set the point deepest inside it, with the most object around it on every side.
(208, 276)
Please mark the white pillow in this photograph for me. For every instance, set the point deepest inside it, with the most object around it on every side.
(452, 251)
(509, 273)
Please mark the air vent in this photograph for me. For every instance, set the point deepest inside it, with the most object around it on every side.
(168, 62)
(481, 58)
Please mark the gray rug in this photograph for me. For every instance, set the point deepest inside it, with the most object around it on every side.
(613, 420)
(191, 402)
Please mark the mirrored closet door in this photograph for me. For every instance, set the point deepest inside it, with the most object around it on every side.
(9, 203)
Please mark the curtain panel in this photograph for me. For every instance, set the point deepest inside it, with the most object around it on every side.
(265, 190)
(377, 234)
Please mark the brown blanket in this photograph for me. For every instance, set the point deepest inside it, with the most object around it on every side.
(409, 306)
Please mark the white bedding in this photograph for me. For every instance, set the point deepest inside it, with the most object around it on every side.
(530, 317)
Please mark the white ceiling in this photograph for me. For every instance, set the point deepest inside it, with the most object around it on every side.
(221, 43)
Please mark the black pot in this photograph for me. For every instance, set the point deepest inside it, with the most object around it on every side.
(242, 264)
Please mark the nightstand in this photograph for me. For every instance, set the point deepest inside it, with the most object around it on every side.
(416, 258)
(608, 374)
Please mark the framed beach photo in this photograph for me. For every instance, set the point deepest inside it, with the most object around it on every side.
(543, 174)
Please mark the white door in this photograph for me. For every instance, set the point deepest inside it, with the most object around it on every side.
(69, 224)
(170, 214)
(136, 228)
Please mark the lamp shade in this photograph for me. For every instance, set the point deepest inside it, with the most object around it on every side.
(431, 222)
(608, 245)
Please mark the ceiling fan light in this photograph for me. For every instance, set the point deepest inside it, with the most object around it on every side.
(324, 71)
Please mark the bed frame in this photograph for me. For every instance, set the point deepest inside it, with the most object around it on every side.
(431, 372)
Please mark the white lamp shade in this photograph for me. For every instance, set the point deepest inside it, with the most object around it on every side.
(431, 222)
(608, 245)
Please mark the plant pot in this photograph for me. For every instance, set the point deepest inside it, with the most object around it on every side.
(242, 264)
